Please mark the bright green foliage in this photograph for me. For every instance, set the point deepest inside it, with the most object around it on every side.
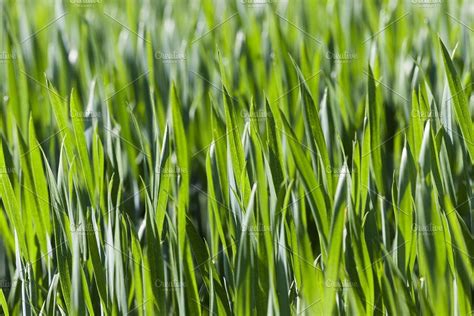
(236, 157)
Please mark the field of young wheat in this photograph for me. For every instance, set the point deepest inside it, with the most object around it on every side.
(240, 157)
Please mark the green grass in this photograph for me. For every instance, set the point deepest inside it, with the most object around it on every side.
(236, 157)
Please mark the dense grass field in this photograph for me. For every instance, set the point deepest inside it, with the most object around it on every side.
(248, 157)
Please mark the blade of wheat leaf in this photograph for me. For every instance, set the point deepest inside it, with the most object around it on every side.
(459, 100)
(374, 109)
